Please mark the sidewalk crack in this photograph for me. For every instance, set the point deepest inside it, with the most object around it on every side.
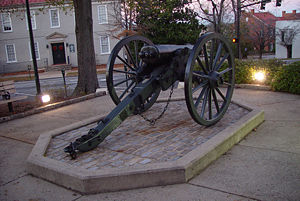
(19, 177)
(236, 194)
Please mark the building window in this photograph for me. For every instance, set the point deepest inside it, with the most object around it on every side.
(36, 49)
(6, 22)
(10, 53)
(54, 18)
(102, 14)
(104, 45)
(33, 21)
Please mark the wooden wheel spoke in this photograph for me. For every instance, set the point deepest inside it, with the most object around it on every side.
(205, 57)
(128, 65)
(201, 65)
(126, 90)
(220, 93)
(222, 61)
(200, 96)
(123, 81)
(215, 101)
(136, 53)
(209, 104)
(211, 54)
(126, 72)
(203, 84)
(204, 103)
(225, 71)
(217, 56)
(198, 74)
(130, 56)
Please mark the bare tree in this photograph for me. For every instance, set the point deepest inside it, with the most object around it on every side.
(214, 12)
(286, 37)
(124, 15)
(261, 35)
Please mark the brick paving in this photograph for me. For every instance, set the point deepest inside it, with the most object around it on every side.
(135, 142)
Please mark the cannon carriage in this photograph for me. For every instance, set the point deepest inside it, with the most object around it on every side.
(206, 68)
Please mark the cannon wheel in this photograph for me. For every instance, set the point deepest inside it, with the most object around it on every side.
(209, 79)
(122, 69)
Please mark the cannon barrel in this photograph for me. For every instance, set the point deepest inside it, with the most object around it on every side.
(155, 53)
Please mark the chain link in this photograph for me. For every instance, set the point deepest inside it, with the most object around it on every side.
(153, 120)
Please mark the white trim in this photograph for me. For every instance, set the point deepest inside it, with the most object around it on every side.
(11, 28)
(32, 14)
(108, 43)
(51, 25)
(7, 61)
(37, 50)
(106, 16)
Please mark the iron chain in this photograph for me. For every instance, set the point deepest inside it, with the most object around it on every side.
(153, 120)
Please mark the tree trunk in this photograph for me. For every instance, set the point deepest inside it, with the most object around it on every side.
(87, 74)
(289, 51)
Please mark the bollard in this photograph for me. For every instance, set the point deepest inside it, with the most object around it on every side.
(63, 72)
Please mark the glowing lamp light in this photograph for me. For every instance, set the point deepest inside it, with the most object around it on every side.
(259, 76)
(46, 98)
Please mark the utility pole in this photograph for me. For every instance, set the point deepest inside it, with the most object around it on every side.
(238, 29)
(36, 74)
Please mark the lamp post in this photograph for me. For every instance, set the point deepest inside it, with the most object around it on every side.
(36, 74)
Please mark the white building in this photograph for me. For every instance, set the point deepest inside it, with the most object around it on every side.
(54, 36)
(285, 30)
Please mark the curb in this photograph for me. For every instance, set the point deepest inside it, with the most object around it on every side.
(156, 174)
(52, 106)
(242, 86)
(254, 86)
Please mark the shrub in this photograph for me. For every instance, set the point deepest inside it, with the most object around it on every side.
(245, 70)
(287, 79)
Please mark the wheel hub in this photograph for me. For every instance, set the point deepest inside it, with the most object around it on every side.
(213, 79)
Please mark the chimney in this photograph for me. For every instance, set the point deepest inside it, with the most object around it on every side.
(283, 13)
(294, 12)
(252, 11)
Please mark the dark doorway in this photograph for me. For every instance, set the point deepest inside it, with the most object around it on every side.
(58, 52)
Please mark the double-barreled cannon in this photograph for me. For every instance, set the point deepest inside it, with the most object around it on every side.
(138, 70)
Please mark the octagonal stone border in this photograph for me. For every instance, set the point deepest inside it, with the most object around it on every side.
(115, 179)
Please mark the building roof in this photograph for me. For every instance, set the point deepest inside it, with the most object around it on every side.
(289, 16)
(267, 18)
(11, 3)
(270, 19)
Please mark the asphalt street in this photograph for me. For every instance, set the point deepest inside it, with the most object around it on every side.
(29, 88)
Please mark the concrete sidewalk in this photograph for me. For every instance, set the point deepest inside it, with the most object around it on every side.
(264, 166)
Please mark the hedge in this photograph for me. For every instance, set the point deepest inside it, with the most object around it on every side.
(281, 77)
(287, 79)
